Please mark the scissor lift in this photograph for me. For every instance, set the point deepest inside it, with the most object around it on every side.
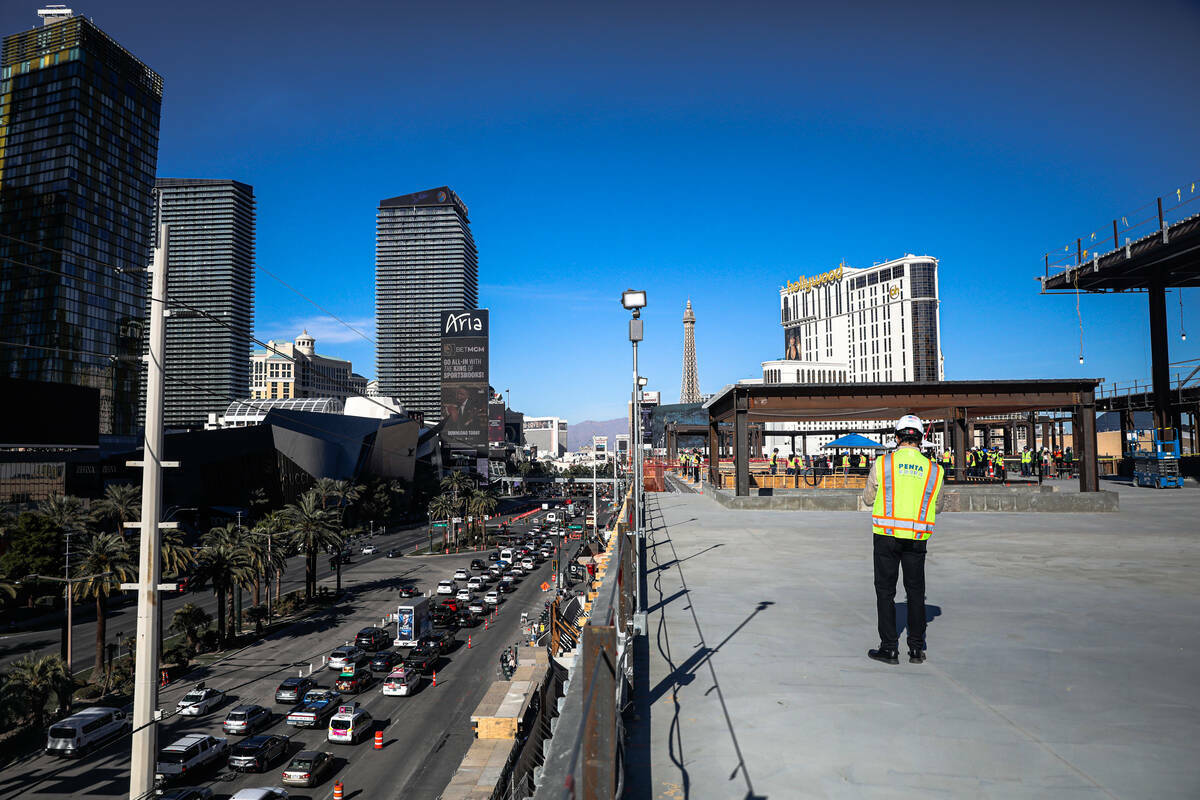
(1156, 459)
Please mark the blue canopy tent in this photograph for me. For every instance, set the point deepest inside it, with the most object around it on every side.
(855, 440)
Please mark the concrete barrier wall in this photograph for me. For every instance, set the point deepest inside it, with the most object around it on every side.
(974, 498)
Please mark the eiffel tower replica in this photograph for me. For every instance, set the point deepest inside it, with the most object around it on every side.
(689, 390)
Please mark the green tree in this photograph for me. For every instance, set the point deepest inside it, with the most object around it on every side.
(272, 561)
(34, 547)
(31, 682)
(175, 556)
(311, 531)
(257, 614)
(103, 564)
(190, 620)
(122, 502)
(443, 507)
(222, 562)
(480, 504)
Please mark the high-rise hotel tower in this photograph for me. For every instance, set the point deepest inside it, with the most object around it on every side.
(210, 273)
(425, 263)
(79, 121)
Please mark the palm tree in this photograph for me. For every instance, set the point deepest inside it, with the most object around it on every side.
(175, 555)
(223, 562)
(189, 620)
(104, 564)
(122, 502)
(312, 531)
(31, 682)
(272, 524)
(444, 506)
(65, 513)
(480, 504)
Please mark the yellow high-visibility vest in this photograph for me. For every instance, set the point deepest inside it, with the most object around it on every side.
(906, 502)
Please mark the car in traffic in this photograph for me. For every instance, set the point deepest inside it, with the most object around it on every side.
(475, 583)
(85, 730)
(373, 639)
(186, 793)
(445, 587)
(527, 562)
(464, 595)
(261, 793)
(350, 724)
(383, 661)
(451, 603)
(370, 550)
(422, 658)
(477, 565)
(506, 585)
(401, 682)
(354, 681)
(492, 598)
(188, 755)
(466, 618)
(200, 700)
(315, 709)
(257, 753)
(410, 590)
(476, 607)
(292, 689)
(247, 719)
(343, 656)
(461, 575)
(308, 768)
(441, 640)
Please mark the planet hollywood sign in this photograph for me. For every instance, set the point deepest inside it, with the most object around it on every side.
(806, 284)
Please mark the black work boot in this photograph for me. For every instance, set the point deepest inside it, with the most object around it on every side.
(884, 654)
(916, 655)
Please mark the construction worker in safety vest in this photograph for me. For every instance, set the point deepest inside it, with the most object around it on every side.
(904, 490)
(946, 459)
(774, 460)
(1026, 462)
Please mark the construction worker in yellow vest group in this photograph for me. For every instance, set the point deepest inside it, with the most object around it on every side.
(774, 460)
(1026, 462)
(904, 490)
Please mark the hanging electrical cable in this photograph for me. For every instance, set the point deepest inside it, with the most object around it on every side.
(1079, 314)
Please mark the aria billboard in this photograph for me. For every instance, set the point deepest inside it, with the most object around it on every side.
(465, 392)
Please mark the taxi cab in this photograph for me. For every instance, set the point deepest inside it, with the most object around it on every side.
(401, 682)
(350, 724)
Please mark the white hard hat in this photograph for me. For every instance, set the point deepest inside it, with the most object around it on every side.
(910, 422)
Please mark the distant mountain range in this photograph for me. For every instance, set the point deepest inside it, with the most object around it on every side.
(581, 433)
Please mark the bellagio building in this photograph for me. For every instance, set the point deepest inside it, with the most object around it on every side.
(285, 370)
(849, 325)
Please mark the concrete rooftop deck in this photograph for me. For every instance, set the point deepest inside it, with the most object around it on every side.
(1064, 657)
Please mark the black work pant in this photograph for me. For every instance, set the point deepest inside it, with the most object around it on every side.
(890, 555)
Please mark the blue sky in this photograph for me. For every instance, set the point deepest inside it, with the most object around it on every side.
(703, 150)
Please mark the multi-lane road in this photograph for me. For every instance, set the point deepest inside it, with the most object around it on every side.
(425, 736)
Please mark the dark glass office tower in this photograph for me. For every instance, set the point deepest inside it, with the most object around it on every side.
(210, 272)
(78, 147)
(425, 263)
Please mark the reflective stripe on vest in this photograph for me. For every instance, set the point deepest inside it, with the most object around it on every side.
(890, 515)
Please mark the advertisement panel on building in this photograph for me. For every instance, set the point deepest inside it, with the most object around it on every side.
(465, 393)
(496, 423)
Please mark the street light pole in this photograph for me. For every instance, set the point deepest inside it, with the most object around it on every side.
(635, 301)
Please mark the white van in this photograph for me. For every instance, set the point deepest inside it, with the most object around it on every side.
(85, 731)
(506, 555)
(551, 518)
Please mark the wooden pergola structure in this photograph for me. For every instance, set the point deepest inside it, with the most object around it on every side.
(955, 402)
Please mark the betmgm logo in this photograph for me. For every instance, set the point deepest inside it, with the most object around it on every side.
(467, 322)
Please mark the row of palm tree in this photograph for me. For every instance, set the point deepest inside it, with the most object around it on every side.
(460, 497)
(227, 558)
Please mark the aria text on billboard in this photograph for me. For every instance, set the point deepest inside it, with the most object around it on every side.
(465, 377)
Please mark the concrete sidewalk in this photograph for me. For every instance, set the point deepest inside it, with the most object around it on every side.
(1064, 657)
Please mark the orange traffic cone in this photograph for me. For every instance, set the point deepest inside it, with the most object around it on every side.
(468, 641)
(434, 678)
(378, 740)
(163, 678)
(485, 623)
(337, 790)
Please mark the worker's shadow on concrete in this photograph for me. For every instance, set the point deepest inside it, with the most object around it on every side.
(902, 615)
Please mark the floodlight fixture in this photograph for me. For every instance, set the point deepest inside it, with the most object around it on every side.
(633, 300)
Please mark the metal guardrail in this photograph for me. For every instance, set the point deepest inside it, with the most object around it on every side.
(583, 760)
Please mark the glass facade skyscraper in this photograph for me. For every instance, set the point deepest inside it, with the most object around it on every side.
(210, 268)
(425, 263)
(79, 122)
